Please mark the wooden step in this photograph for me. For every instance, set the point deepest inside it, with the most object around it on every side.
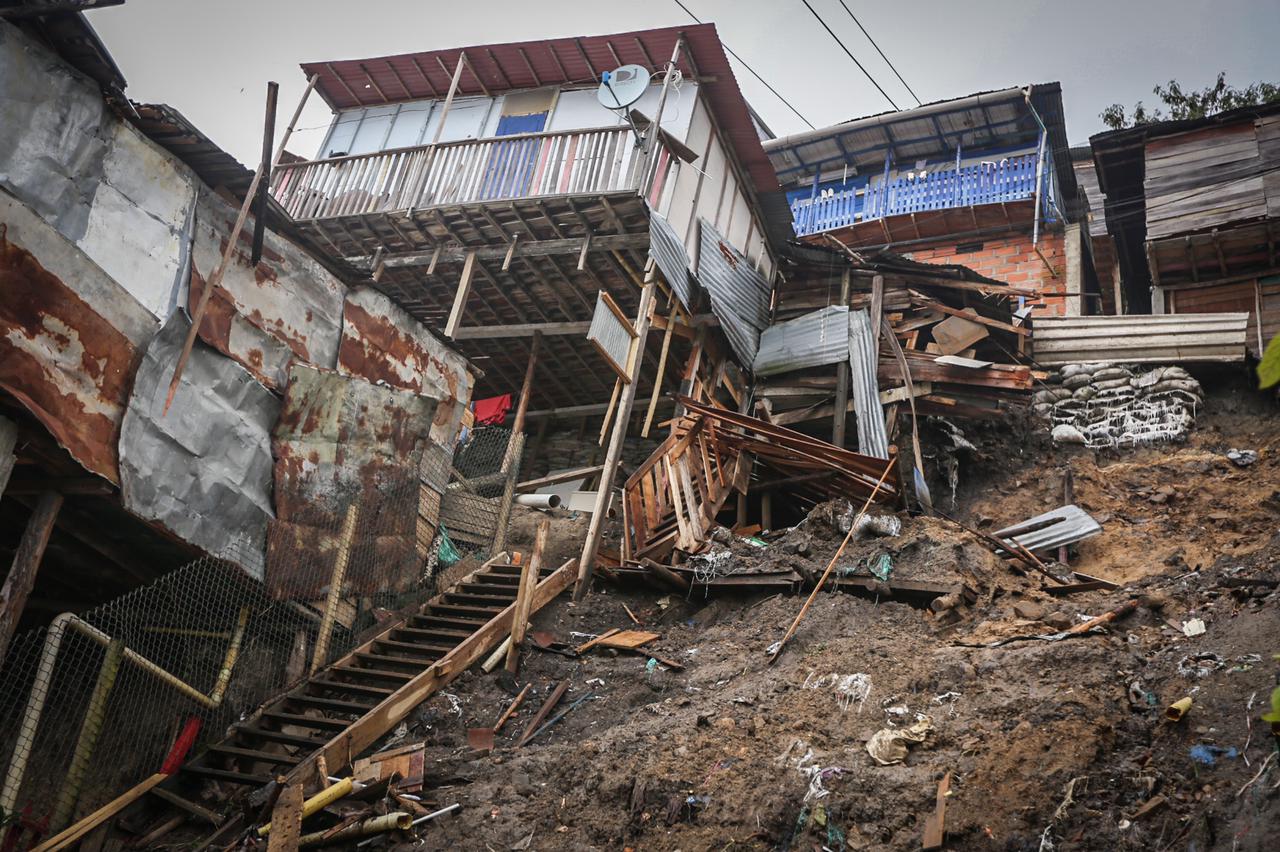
(417, 647)
(469, 625)
(227, 775)
(487, 612)
(375, 673)
(254, 754)
(499, 601)
(501, 580)
(195, 810)
(319, 723)
(389, 660)
(490, 589)
(278, 736)
(354, 688)
(335, 704)
(435, 632)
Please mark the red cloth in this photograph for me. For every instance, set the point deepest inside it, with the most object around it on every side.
(493, 410)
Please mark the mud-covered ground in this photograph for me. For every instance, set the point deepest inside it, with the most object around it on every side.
(1051, 745)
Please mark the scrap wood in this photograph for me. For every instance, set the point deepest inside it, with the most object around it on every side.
(511, 708)
(76, 832)
(547, 706)
(1079, 630)
(665, 574)
(588, 645)
(565, 712)
(631, 614)
(935, 823)
(628, 639)
(286, 817)
(830, 565)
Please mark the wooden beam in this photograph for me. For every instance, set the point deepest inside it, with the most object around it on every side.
(556, 478)
(586, 563)
(839, 415)
(662, 366)
(528, 579)
(460, 298)
(66, 838)
(448, 99)
(501, 251)
(26, 562)
(8, 440)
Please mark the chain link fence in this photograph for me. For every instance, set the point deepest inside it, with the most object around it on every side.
(476, 503)
(97, 702)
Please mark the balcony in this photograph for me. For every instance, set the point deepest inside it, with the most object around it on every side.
(534, 165)
(1012, 179)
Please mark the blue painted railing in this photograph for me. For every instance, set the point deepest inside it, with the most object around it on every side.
(1010, 179)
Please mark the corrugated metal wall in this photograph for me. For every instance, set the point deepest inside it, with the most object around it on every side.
(1140, 339)
(817, 338)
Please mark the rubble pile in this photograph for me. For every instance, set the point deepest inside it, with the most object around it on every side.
(1108, 406)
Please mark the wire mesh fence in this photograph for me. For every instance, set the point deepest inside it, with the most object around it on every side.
(476, 503)
(97, 702)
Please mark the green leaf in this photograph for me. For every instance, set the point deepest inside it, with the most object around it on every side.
(1274, 715)
(1269, 366)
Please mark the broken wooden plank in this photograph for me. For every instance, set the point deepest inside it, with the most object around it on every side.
(935, 824)
(511, 708)
(956, 333)
(547, 706)
(286, 820)
(587, 646)
(74, 833)
(628, 639)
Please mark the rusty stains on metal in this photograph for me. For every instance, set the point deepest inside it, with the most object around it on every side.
(340, 441)
(288, 307)
(63, 360)
(382, 343)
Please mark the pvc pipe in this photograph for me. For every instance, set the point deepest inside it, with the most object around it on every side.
(397, 821)
(1178, 709)
(539, 501)
(319, 801)
(90, 730)
(44, 678)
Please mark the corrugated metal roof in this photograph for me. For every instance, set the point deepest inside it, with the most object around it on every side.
(668, 252)
(984, 119)
(739, 294)
(497, 68)
(610, 335)
(811, 340)
(873, 440)
(1063, 526)
(1140, 338)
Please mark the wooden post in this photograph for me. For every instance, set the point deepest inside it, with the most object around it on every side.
(8, 440)
(26, 562)
(448, 100)
(877, 311)
(840, 416)
(766, 510)
(264, 186)
(460, 298)
(611, 457)
(336, 581)
(215, 280)
(651, 150)
(662, 367)
(511, 459)
(528, 580)
(1067, 498)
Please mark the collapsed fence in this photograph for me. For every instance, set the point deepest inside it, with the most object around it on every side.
(96, 702)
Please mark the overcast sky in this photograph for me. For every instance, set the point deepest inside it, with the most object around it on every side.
(211, 58)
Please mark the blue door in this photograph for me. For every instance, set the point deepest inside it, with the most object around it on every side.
(509, 172)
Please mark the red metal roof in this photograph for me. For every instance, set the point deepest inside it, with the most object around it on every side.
(496, 68)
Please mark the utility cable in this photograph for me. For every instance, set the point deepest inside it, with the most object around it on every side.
(832, 33)
(881, 52)
(743, 63)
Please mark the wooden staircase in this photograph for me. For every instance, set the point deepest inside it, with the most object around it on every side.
(351, 703)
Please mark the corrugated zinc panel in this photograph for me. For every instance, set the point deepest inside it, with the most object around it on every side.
(872, 438)
(811, 340)
(668, 252)
(610, 336)
(1140, 339)
(739, 294)
(1066, 525)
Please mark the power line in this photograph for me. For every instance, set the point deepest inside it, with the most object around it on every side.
(881, 52)
(832, 33)
(762, 80)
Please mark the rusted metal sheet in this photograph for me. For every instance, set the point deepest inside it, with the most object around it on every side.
(286, 308)
(203, 470)
(342, 441)
(382, 343)
(70, 340)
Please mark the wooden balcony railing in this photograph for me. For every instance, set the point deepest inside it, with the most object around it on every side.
(1011, 179)
(580, 162)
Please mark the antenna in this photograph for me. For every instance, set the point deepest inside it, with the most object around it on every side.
(621, 88)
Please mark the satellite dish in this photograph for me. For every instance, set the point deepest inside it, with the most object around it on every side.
(622, 87)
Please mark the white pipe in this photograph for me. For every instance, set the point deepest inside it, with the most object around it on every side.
(539, 501)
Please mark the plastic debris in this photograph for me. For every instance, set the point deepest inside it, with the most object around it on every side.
(1193, 627)
(888, 526)
(1242, 458)
(1209, 754)
(888, 746)
(849, 688)
(1199, 665)
(882, 567)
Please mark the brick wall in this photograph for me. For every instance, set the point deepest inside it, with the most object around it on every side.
(1012, 260)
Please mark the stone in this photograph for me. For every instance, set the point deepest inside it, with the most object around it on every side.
(1029, 610)
(1058, 620)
